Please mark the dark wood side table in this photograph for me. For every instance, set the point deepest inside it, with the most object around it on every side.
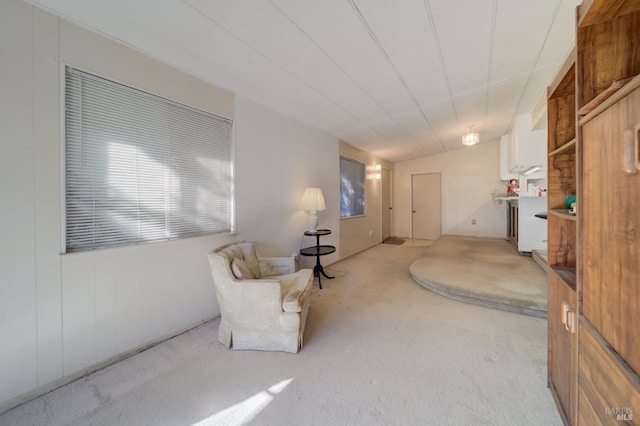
(317, 251)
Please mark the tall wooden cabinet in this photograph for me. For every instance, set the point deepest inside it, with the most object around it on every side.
(562, 240)
(594, 257)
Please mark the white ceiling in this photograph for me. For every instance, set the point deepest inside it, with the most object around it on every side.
(400, 79)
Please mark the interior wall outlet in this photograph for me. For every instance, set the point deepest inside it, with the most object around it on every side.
(370, 234)
(473, 221)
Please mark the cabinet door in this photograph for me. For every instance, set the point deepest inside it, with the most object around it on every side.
(610, 228)
(609, 393)
(512, 223)
(562, 344)
(527, 147)
(505, 174)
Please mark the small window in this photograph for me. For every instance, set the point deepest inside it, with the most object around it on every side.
(141, 168)
(352, 183)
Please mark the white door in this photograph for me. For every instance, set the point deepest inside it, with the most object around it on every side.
(426, 202)
(386, 203)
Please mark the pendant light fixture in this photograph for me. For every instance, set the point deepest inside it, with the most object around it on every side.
(470, 138)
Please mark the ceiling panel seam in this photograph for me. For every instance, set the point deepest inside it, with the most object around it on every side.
(325, 53)
(258, 52)
(364, 124)
(387, 58)
(491, 52)
(442, 64)
(526, 85)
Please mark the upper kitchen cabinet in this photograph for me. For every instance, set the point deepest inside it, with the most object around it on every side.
(527, 147)
(505, 173)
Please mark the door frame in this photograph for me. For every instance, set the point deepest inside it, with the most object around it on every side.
(390, 203)
(411, 214)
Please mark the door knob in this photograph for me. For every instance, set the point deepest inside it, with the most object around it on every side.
(413, 211)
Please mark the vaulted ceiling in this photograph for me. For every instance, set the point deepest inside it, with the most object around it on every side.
(398, 78)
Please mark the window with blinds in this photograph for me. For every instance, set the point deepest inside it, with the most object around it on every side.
(352, 184)
(141, 168)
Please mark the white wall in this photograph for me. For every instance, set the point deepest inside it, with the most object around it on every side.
(468, 177)
(276, 159)
(61, 315)
(354, 231)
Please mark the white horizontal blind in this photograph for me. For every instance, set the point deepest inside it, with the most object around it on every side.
(352, 184)
(141, 168)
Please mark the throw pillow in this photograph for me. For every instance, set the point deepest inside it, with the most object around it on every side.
(240, 269)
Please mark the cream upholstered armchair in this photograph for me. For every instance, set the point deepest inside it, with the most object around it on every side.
(263, 301)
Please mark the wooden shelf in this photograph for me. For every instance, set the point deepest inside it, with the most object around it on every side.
(564, 82)
(568, 275)
(563, 213)
(606, 43)
(561, 107)
(564, 149)
(633, 84)
(604, 95)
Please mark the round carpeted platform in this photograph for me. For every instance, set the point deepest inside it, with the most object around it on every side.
(483, 271)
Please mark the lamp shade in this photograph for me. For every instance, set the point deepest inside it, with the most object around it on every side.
(312, 200)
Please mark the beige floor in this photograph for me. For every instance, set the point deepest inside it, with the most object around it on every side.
(417, 243)
(485, 271)
(379, 350)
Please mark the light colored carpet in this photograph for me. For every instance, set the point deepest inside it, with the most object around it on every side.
(379, 350)
(484, 271)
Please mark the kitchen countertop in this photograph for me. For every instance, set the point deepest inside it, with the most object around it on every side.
(513, 197)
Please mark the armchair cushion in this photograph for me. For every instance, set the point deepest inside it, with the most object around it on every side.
(240, 269)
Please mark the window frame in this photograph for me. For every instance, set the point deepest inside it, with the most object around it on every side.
(228, 183)
(362, 169)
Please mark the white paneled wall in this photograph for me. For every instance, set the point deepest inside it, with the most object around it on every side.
(118, 299)
(46, 199)
(63, 314)
(468, 177)
(18, 358)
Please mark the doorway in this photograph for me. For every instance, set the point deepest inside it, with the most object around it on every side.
(426, 206)
(386, 203)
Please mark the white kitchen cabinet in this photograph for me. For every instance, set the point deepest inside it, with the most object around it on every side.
(527, 147)
(505, 174)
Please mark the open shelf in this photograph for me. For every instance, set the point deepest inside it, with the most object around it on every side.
(564, 149)
(607, 35)
(633, 84)
(604, 95)
(563, 213)
(567, 273)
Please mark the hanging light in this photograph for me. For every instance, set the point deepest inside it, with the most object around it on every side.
(470, 138)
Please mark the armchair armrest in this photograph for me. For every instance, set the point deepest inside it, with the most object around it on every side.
(272, 266)
(296, 288)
